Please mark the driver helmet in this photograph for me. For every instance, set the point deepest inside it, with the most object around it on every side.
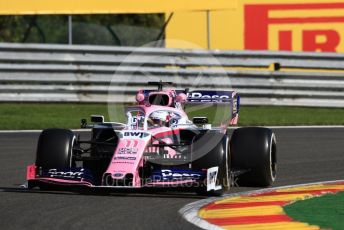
(160, 118)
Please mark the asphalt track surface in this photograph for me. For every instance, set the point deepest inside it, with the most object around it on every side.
(304, 155)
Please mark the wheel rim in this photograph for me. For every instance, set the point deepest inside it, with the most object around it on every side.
(273, 160)
(71, 152)
(228, 171)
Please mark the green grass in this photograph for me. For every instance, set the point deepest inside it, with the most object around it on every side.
(326, 211)
(40, 116)
(269, 115)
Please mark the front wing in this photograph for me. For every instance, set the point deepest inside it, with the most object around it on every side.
(164, 178)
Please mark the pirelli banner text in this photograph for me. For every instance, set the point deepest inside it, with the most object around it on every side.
(304, 25)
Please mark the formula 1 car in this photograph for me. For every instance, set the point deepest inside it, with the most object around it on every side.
(159, 146)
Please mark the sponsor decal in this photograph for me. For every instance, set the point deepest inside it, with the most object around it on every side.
(208, 96)
(123, 162)
(66, 174)
(173, 174)
(75, 174)
(135, 134)
(118, 174)
(130, 147)
(128, 150)
(211, 179)
(290, 27)
(124, 158)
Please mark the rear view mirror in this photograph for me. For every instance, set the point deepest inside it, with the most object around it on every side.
(97, 118)
(200, 120)
(83, 123)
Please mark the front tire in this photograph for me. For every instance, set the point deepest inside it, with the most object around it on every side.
(55, 149)
(254, 149)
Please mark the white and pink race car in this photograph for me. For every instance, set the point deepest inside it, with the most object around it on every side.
(160, 146)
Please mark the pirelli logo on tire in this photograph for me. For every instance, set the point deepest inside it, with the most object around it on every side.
(303, 27)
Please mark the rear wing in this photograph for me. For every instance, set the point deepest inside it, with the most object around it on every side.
(204, 97)
(230, 98)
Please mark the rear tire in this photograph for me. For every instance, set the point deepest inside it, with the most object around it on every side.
(254, 149)
(55, 149)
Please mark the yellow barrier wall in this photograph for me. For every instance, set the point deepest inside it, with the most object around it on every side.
(303, 25)
(12, 7)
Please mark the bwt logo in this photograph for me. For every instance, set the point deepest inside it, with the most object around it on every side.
(134, 135)
(306, 27)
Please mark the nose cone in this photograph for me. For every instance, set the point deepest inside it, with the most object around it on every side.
(127, 158)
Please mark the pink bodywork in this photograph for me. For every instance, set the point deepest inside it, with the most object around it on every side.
(122, 164)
